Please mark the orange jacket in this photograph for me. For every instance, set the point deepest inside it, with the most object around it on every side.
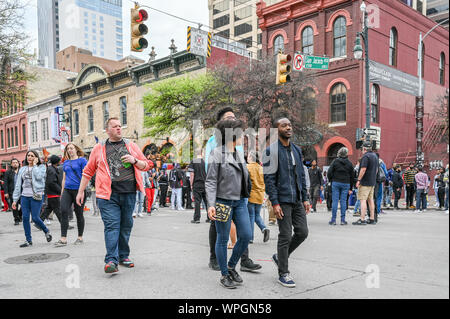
(98, 164)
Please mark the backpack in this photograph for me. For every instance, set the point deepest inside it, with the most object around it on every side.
(381, 176)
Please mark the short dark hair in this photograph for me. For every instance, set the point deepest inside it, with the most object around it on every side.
(221, 112)
(420, 168)
(227, 124)
(278, 119)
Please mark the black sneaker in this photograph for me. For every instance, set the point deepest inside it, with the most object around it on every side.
(343, 222)
(235, 276)
(26, 244)
(331, 223)
(360, 222)
(16, 223)
(214, 265)
(227, 282)
(207, 221)
(266, 233)
(371, 222)
(195, 222)
(249, 266)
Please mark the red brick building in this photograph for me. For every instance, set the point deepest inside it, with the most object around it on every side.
(329, 28)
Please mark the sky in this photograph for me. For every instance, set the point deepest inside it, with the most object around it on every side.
(162, 28)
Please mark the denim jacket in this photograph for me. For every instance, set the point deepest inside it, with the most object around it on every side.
(38, 175)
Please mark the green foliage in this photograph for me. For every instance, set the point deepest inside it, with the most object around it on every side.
(174, 103)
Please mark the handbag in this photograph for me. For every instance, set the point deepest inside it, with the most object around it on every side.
(222, 212)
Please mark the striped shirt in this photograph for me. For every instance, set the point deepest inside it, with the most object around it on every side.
(409, 176)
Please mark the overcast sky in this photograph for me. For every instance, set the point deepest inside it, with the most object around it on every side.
(162, 28)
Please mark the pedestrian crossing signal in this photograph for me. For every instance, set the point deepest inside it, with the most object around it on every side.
(283, 68)
(138, 29)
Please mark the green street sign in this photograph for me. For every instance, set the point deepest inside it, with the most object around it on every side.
(316, 62)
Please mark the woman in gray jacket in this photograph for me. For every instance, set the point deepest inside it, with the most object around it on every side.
(228, 183)
(30, 188)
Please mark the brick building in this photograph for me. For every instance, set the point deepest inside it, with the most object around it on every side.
(329, 28)
(74, 59)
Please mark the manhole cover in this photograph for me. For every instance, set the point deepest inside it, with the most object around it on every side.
(36, 258)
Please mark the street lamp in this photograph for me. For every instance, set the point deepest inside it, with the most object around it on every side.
(357, 53)
(420, 157)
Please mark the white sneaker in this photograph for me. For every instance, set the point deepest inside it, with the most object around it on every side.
(48, 222)
(417, 211)
(446, 212)
(181, 208)
(140, 215)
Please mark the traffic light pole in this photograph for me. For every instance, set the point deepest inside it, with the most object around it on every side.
(365, 35)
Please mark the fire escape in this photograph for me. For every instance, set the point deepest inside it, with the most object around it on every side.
(432, 137)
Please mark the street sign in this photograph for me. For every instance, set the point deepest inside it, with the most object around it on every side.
(303, 61)
(199, 42)
(299, 62)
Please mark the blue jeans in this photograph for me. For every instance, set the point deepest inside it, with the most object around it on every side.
(421, 199)
(339, 194)
(239, 215)
(379, 198)
(446, 198)
(139, 202)
(31, 207)
(117, 216)
(255, 217)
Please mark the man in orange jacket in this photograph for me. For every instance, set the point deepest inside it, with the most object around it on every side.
(117, 163)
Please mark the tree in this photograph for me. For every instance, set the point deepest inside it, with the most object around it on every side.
(14, 43)
(441, 115)
(174, 103)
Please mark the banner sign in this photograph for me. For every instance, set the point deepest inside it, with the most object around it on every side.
(392, 78)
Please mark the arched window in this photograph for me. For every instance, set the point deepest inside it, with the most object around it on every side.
(339, 37)
(442, 69)
(375, 103)
(308, 102)
(278, 44)
(308, 41)
(393, 47)
(338, 103)
(123, 110)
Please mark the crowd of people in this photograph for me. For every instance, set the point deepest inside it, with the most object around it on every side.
(231, 185)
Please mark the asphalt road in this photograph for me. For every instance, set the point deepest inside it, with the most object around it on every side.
(406, 255)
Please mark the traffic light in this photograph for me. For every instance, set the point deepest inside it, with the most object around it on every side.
(283, 68)
(138, 29)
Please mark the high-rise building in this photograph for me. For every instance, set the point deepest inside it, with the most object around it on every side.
(94, 25)
(236, 20)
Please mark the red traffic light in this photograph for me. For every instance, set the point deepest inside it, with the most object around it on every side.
(143, 15)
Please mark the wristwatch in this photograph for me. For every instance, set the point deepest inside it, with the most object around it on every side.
(135, 161)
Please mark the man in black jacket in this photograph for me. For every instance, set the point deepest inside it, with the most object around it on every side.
(284, 177)
(53, 189)
(10, 183)
(316, 180)
(397, 185)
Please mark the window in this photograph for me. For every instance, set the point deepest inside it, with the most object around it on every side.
(119, 37)
(248, 41)
(242, 13)
(221, 6)
(119, 30)
(242, 28)
(224, 33)
(238, 2)
(86, 36)
(44, 129)
(308, 41)
(338, 103)
(393, 47)
(90, 118)
(101, 25)
(76, 122)
(118, 23)
(220, 22)
(86, 28)
(24, 134)
(9, 137)
(442, 69)
(119, 43)
(101, 18)
(34, 135)
(105, 113)
(102, 33)
(85, 14)
(3, 141)
(278, 44)
(308, 112)
(375, 103)
(339, 37)
(123, 110)
(16, 136)
(259, 38)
